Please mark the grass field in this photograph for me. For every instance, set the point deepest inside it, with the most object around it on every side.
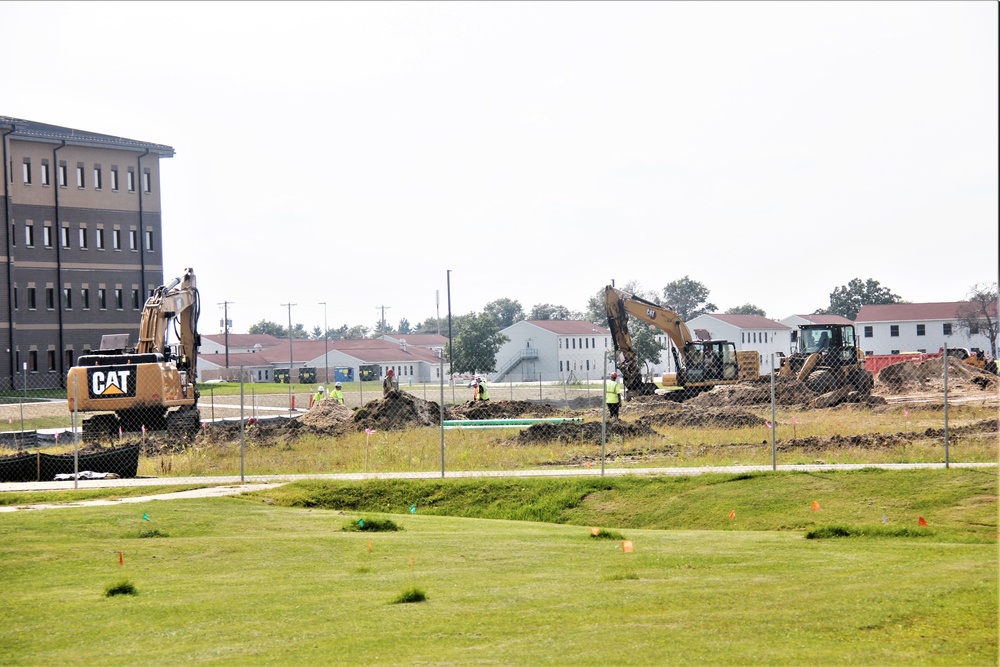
(273, 577)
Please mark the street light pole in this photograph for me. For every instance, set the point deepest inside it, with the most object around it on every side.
(326, 352)
(291, 359)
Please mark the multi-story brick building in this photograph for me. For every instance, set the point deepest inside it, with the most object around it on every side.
(82, 229)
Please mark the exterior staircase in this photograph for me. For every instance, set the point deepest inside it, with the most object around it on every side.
(512, 363)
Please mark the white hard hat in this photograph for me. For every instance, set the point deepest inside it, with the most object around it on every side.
(338, 385)
(319, 388)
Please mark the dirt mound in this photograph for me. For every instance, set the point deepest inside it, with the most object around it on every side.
(577, 432)
(786, 392)
(908, 376)
(695, 417)
(501, 410)
(327, 414)
(397, 411)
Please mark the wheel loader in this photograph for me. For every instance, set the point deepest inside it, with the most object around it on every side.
(828, 358)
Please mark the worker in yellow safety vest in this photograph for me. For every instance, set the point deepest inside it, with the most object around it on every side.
(319, 395)
(613, 391)
(337, 394)
(480, 392)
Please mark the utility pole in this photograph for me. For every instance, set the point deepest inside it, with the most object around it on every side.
(326, 359)
(291, 359)
(382, 308)
(225, 325)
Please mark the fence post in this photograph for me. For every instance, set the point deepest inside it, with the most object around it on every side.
(604, 415)
(539, 386)
(76, 446)
(944, 359)
(243, 442)
(774, 423)
(441, 373)
(211, 391)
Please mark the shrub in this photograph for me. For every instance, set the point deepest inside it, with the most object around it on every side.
(372, 526)
(413, 594)
(124, 587)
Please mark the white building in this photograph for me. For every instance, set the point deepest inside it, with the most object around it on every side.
(552, 350)
(748, 332)
(915, 327)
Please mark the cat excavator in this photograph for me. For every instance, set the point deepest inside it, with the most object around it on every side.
(150, 387)
(701, 364)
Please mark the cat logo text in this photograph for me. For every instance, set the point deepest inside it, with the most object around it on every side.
(117, 382)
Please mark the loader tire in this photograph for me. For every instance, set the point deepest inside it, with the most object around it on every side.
(822, 381)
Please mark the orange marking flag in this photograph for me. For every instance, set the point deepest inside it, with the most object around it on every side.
(595, 531)
(922, 521)
(370, 548)
(121, 558)
(627, 546)
(815, 506)
(732, 515)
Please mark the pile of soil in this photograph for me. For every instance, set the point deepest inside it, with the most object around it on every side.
(327, 414)
(717, 417)
(577, 432)
(928, 376)
(501, 410)
(787, 391)
(397, 411)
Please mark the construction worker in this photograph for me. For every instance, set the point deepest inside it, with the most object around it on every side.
(318, 396)
(387, 383)
(613, 391)
(337, 394)
(480, 393)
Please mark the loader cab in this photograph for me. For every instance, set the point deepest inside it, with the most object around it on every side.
(835, 343)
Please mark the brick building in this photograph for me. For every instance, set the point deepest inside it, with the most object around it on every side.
(82, 243)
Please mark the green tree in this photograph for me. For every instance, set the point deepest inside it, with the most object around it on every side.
(688, 298)
(475, 344)
(404, 326)
(505, 312)
(979, 314)
(546, 311)
(432, 325)
(316, 333)
(299, 331)
(847, 300)
(746, 309)
(647, 348)
(357, 332)
(381, 328)
(269, 328)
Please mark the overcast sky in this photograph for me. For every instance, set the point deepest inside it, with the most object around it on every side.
(353, 153)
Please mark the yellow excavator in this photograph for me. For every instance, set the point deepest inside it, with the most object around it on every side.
(701, 364)
(828, 358)
(150, 387)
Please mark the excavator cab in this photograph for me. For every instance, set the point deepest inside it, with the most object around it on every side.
(710, 362)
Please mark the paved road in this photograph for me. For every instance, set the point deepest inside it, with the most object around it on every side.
(232, 485)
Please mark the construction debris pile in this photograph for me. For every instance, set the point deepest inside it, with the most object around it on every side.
(927, 376)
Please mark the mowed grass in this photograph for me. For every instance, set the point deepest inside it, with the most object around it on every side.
(273, 578)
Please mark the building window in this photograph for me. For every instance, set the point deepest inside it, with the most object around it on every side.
(67, 298)
(29, 235)
(47, 235)
(33, 361)
(133, 239)
(44, 173)
(118, 298)
(921, 330)
(31, 298)
(894, 331)
(97, 177)
(149, 240)
(79, 175)
(147, 181)
(50, 298)
(99, 238)
(114, 178)
(573, 342)
(65, 237)
(135, 299)
(69, 358)
(51, 358)
(116, 239)
(26, 171)
(102, 298)
(14, 292)
(85, 298)
(869, 332)
(131, 179)
(946, 328)
(893, 351)
(83, 238)
(63, 176)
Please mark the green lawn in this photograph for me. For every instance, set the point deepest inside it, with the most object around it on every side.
(257, 579)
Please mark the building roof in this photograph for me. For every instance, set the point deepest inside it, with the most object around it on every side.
(369, 350)
(817, 318)
(568, 327)
(914, 312)
(33, 130)
(420, 340)
(244, 340)
(236, 359)
(747, 321)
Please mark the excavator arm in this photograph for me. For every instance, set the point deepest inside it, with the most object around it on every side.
(619, 306)
(177, 302)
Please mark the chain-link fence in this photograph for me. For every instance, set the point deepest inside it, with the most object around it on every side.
(937, 409)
